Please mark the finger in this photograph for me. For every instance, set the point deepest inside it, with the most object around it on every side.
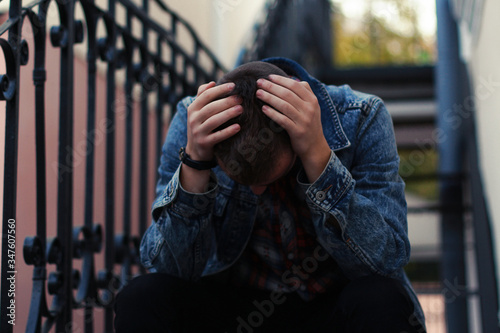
(204, 87)
(218, 106)
(280, 91)
(221, 118)
(300, 88)
(211, 93)
(285, 106)
(279, 118)
(216, 137)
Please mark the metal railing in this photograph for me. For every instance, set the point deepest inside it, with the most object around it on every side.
(159, 67)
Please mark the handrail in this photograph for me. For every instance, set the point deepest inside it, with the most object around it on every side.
(164, 77)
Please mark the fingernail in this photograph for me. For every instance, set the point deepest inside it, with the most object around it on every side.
(259, 82)
(230, 86)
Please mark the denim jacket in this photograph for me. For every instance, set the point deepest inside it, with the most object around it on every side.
(357, 204)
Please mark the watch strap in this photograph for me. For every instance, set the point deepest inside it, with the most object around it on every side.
(198, 165)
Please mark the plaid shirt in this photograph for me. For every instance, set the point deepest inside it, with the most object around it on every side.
(281, 254)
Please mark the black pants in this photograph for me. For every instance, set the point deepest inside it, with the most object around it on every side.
(161, 303)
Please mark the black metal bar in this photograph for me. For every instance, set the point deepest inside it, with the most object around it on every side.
(173, 68)
(160, 101)
(88, 288)
(388, 75)
(435, 177)
(450, 74)
(39, 78)
(38, 306)
(128, 164)
(8, 269)
(63, 298)
(417, 146)
(144, 129)
(415, 120)
(449, 208)
(91, 122)
(109, 252)
(483, 242)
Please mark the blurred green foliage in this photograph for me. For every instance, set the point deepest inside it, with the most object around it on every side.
(421, 164)
(386, 32)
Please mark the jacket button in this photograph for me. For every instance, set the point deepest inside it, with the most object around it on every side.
(320, 195)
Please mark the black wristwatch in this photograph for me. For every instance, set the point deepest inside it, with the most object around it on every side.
(198, 165)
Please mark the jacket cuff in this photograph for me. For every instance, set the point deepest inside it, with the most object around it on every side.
(182, 202)
(190, 204)
(331, 186)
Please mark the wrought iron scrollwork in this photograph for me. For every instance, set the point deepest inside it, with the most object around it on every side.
(8, 80)
(55, 278)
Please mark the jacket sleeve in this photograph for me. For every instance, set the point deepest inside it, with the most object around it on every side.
(359, 212)
(178, 240)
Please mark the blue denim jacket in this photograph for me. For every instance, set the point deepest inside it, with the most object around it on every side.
(360, 191)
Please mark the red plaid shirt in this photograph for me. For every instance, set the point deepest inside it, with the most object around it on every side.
(281, 254)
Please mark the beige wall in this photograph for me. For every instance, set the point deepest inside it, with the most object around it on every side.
(222, 24)
(485, 71)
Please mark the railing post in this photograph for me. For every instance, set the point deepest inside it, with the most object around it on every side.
(145, 88)
(449, 93)
(88, 285)
(109, 252)
(128, 163)
(65, 178)
(8, 270)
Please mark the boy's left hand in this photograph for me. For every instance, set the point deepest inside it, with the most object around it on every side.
(295, 108)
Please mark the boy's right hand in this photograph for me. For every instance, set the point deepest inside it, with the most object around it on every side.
(205, 114)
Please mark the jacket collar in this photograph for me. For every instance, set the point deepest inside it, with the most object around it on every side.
(332, 128)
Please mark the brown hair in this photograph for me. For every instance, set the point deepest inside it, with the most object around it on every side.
(250, 155)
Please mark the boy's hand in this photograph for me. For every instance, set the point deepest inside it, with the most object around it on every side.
(205, 114)
(295, 108)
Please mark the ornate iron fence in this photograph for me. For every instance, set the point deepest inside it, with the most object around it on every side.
(157, 64)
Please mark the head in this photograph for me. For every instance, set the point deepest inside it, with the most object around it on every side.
(260, 152)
